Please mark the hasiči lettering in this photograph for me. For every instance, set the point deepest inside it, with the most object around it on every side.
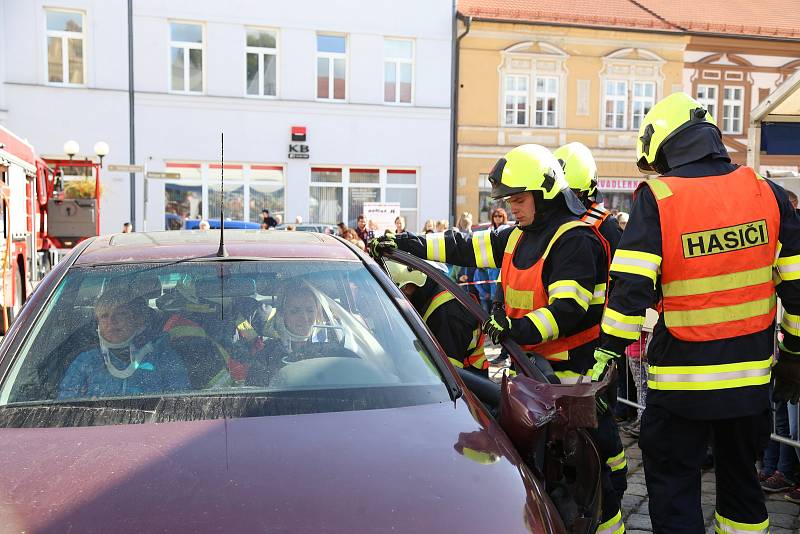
(726, 239)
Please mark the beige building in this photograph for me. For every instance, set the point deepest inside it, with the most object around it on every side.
(556, 73)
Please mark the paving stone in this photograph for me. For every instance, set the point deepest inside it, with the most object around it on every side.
(638, 522)
(633, 452)
(629, 531)
(783, 507)
(782, 520)
(636, 478)
(631, 502)
(644, 508)
(637, 489)
(778, 530)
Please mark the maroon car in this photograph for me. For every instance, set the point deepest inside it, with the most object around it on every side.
(151, 384)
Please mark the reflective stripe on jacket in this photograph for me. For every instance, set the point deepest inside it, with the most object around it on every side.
(475, 356)
(717, 264)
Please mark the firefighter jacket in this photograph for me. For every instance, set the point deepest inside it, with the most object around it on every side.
(712, 244)
(457, 331)
(599, 217)
(573, 273)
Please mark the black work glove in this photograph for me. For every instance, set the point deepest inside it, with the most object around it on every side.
(498, 325)
(384, 243)
(787, 376)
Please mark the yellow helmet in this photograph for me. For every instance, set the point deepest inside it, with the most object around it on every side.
(667, 118)
(580, 170)
(532, 168)
(403, 275)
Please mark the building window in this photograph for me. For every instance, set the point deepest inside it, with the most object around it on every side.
(330, 186)
(546, 101)
(331, 67)
(516, 100)
(65, 47)
(644, 98)
(262, 62)
(707, 96)
(616, 104)
(398, 70)
(487, 204)
(186, 57)
(249, 188)
(732, 110)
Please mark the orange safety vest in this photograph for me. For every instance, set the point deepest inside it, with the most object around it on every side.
(524, 291)
(475, 354)
(596, 215)
(717, 264)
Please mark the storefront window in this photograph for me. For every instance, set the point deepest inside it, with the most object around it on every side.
(330, 187)
(249, 188)
(266, 191)
(181, 202)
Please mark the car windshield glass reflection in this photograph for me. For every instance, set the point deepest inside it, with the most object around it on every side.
(122, 332)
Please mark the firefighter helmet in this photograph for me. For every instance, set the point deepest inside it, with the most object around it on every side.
(580, 170)
(532, 168)
(403, 275)
(666, 119)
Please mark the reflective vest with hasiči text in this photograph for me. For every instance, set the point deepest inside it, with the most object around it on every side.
(525, 293)
(717, 258)
(475, 355)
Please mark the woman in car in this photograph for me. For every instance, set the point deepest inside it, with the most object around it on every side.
(132, 356)
(291, 333)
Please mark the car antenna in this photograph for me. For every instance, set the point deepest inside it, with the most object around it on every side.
(222, 252)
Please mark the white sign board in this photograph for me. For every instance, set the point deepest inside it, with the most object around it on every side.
(381, 215)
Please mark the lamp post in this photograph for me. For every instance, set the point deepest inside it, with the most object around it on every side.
(71, 148)
(101, 150)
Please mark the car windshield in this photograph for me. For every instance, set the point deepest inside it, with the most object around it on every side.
(157, 339)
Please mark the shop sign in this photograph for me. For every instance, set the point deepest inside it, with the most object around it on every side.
(298, 149)
(617, 184)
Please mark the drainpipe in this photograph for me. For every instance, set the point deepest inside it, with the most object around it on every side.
(454, 105)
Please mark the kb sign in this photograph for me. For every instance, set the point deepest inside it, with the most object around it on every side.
(298, 149)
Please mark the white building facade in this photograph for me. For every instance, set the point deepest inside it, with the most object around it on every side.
(324, 105)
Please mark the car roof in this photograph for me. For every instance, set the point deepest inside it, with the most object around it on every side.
(186, 244)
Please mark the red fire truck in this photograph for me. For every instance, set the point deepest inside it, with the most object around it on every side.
(37, 221)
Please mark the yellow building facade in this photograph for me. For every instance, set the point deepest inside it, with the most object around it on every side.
(536, 83)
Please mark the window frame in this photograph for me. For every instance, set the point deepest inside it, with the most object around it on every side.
(331, 56)
(261, 51)
(616, 98)
(516, 93)
(397, 62)
(705, 102)
(545, 95)
(634, 99)
(733, 103)
(345, 185)
(186, 46)
(65, 36)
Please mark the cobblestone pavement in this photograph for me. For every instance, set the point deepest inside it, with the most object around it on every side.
(784, 516)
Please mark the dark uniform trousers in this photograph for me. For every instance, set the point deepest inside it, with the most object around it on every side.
(673, 451)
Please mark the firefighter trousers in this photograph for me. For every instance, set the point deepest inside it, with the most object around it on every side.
(613, 477)
(673, 451)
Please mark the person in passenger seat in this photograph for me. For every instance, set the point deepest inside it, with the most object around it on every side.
(289, 333)
(132, 357)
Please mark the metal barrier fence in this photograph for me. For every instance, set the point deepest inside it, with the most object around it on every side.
(633, 393)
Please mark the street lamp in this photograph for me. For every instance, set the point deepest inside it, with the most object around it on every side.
(101, 150)
(71, 148)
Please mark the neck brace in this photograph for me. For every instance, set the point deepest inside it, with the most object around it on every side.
(136, 356)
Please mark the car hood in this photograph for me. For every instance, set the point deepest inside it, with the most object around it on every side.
(438, 467)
